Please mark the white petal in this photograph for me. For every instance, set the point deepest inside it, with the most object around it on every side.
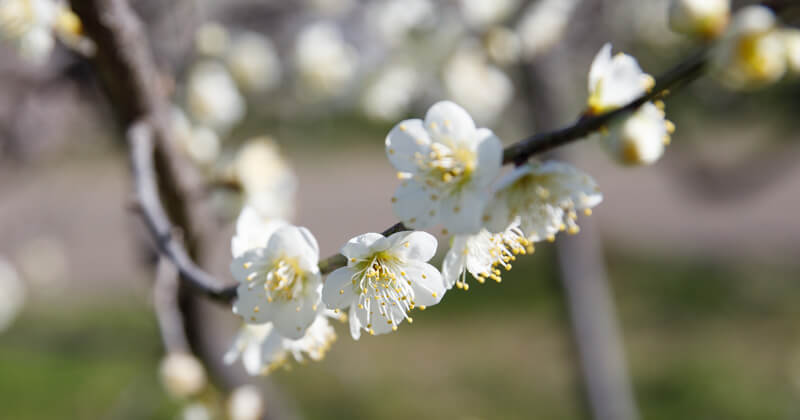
(362, 245)
(413, 206)
(599, 66)
(355, 324)
(489, 158)
(293, 241)
(252, 304)
(426, 281)
(404, 141)
(252, 360)
(291, 322)
(462, 213)
(242, 266)
(455, 262)
(447, 122)
(337, 292)
(416, 245)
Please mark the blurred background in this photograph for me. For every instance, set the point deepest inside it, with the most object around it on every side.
(702, 249)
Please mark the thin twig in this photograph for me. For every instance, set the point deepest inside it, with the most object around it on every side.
(140, 138)
(168, 314)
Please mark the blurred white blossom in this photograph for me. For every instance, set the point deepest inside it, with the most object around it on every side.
(445, 165)
(640, 138)
(280, 283)
(245, 403)
(182, 375)
(29, 25)
(480, 13)
(196, 411)
(503, 45)
(211, 39)
(263, 349)
(483, 89)
(699, 18)
(254, 63)
(543, 24)
(752, 53)
(325, 61)
(390, 95)
(791, 39)
(253, 231)
(268, 182)
(44, 264)
(12, 294)
(545, 197)
(385, 278)
(394, 20)
(482, 253)
(213, 99)
(615, 81)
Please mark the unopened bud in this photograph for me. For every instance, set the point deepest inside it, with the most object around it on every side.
(182, 375)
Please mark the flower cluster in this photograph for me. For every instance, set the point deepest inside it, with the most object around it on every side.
(33, 26)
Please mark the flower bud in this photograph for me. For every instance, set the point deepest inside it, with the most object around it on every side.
(245, 403)
(182, 375)
(699, 18)
(753, 53)
(791, 40)
(640, 139)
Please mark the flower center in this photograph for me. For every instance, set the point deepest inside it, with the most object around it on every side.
(449, 166)
(285, 280)
(384, 290)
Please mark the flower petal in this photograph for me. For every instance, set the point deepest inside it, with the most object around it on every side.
(449, 123)
(404, 142)
(426, 281)
(252, 304)
(362, 246)
(455, 262)
(355, 324)
(489, 158)
(599, 66)
(337, 292)
(415, 245)
(412, 205)
(462, 212)
(292, 318)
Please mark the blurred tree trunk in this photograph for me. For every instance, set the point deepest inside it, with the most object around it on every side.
(605, 382)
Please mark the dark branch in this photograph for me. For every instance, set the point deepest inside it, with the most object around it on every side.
(140, 139)
(168, 313)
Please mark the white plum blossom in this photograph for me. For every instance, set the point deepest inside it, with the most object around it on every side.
(699, 18)
(254, 63)
(182, 374)
(394, 20)
(385, 278)
(211, 39)
(12, 294)
(245, 403)
(280, 283)
(446, 165)
(29, 25)
(481, 13)
(791, 39)
(331, 7)
(640, 138)
(545, 197)
(196, 411)
(212, 97)
(253, 231)
(325, 61)
(615, 81)
(200, 144)
(267, 179)
(263, 349)
(543, 24)
(752, 53)
(481, 254)
(468, 76)
(389, 97)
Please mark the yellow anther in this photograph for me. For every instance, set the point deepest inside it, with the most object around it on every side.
(466, 286)
(422, 307)
(456, 209)
(424, 276)
(371, 331)
(587, 212)
(406, 245)
(394, 327)
(403, 127)
(256, 309)
(434, 197)
(391, 151)
(574, 229)
(551, 238)
(670, 126)
(341, 291)
(447, 177)
(360, 306)
(394, 199)
(247, 265)
(434, 294)
(445, 232)
(659, 104)
(410, 320)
